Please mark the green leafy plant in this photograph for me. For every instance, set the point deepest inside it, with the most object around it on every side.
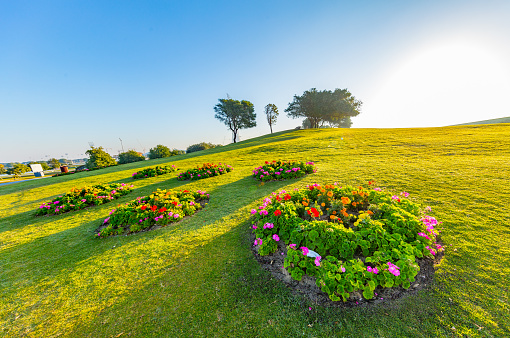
(79, 198)
(201, 146)
(154, 171)
(206, 170)
(162, 207)
(369, 238)
(282, 170)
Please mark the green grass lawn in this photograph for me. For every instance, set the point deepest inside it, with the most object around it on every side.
(199, 277)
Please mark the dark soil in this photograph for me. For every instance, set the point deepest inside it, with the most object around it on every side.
(307, 288)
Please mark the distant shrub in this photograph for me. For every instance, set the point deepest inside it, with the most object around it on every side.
(201, 146)
(130, 156)
(154, 171)
(161, 151)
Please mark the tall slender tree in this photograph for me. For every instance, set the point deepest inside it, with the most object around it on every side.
(271, 114)
(235, 115)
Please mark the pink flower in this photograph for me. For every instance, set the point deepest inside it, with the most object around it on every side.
(258, 241)
(176, 216)
(305, 250)
(292, 246)
(405, 194)
(254, 226)
(276, 238)
(253, 211)
(342, 268)
(318, 261)
(106, 220)
(369, 268)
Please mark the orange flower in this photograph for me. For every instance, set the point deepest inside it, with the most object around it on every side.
(333, 217)
(354, 192)
(353, 204)
(304, 203)
(334, 212)
(370, 212)
(330, 194)
(345, 200)
(323, 204)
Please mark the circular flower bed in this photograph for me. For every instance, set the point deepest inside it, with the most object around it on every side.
(79, 198)
(161, 208)
(154, 171)
(282, 170)
(352, 240)
(205, 171)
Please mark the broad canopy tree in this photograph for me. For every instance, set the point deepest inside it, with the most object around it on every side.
(235, 115)
(98, 158)
(325, 106)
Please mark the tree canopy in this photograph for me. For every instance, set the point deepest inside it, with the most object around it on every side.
(98, 158)
(161, 151)
(2, 169)
(17, 169)
(235, 115)
(271, 114)
(130, 156)
(54, 163)
(324, 106)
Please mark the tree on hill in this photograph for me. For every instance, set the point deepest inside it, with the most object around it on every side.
(201, 146)
(2, 169)
(271, 114)
(320, 107)
(161, 151)
(235, 115)
(98, 158)
(130, 156)
(18, 169)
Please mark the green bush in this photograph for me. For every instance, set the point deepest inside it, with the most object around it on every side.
(161, 151)
(98, 158)
(130, 156)
(201, 146)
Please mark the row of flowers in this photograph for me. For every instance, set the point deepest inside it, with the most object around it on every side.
(205, 170)
(348, 238)
(153, 171)
(282, 170)
(79, 198)
(162, 207)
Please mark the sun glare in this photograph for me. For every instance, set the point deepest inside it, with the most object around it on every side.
(442, 85)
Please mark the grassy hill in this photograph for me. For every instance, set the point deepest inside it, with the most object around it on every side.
(199, 277)
(492, 121)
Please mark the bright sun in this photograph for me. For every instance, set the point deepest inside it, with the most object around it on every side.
(442, 85)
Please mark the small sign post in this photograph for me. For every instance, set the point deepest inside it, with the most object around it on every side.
(37, 170)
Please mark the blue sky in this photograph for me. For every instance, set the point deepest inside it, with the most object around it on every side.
(150, 72)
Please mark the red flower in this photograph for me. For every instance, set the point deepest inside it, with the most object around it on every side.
(185, 191)
(162, 209)
(311, 187)
(267, 162)
(278, 198)
(315, 212)
(287, 197)
(174, 203)
(277, 213)
(144, 207)
(154, 208)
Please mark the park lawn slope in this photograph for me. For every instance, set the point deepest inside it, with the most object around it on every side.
(199, 277)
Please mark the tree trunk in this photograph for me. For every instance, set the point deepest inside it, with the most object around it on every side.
(235, 135)
(271, 127)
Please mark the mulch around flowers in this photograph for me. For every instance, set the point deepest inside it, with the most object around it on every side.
(203, 203)
(307, 288)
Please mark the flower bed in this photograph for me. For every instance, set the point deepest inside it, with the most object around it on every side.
(79, 198)
(282, 170)
(349, 239)
(161, 208)
(154, 171)
(205, 171)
